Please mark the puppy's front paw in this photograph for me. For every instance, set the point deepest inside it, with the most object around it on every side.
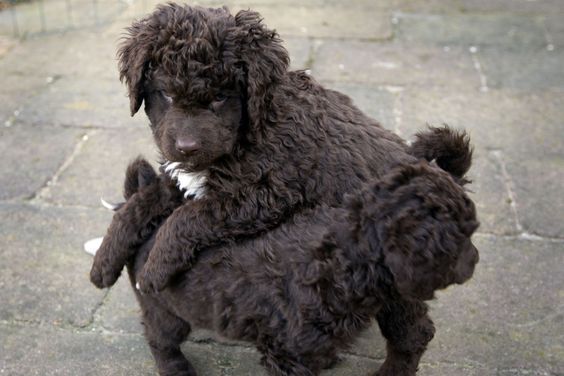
(152, 279)
(104, 272)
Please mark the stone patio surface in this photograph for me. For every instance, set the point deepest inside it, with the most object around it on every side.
(493, 67)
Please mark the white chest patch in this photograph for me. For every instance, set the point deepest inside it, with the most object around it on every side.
(192, 183)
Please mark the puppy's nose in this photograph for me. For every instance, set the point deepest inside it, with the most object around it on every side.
(186, 145)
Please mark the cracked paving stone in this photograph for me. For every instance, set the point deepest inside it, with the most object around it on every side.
(100, 166)
(394, 64)
(44, 273)
(29, 157)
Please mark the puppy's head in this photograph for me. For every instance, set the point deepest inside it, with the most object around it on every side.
(205, 78)
(422, 221)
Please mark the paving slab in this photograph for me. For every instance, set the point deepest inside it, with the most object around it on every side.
(537, 186)
(532, 69)
(29, 157)
(503, 31)
(81, 102)
(43, 270)
(394, 64)
(513, 6)
(98, 169)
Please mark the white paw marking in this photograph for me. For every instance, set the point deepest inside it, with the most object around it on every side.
(192, 183)
(92, 246)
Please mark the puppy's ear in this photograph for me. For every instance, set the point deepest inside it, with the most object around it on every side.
(133, 55)
(265, 60)
(139, 174)
(424, 221)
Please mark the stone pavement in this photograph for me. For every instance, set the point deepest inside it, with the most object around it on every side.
(494, 67)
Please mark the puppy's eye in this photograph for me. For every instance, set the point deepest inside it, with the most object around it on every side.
(220, 98)
(167, 98)
(217, 102)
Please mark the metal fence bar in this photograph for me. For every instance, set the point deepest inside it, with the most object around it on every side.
(69, 13)
(95, 6)
(42, 15)
(14, 17)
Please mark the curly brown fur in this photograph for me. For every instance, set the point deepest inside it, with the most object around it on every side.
(150, 199)
(307, 289)
(270, 143)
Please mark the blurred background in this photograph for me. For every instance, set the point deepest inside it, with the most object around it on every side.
(493, 67)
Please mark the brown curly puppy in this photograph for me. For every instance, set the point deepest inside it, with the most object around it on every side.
(417, 206)
(250, 142)
(306, 289)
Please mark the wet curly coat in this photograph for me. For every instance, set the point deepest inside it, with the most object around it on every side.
(271, 145)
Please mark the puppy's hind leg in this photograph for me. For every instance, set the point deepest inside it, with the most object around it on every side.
(164, 331)
(407, 329)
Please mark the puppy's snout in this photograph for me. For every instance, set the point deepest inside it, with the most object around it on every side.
(186, 145)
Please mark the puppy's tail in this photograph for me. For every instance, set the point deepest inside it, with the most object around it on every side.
(450, 148)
